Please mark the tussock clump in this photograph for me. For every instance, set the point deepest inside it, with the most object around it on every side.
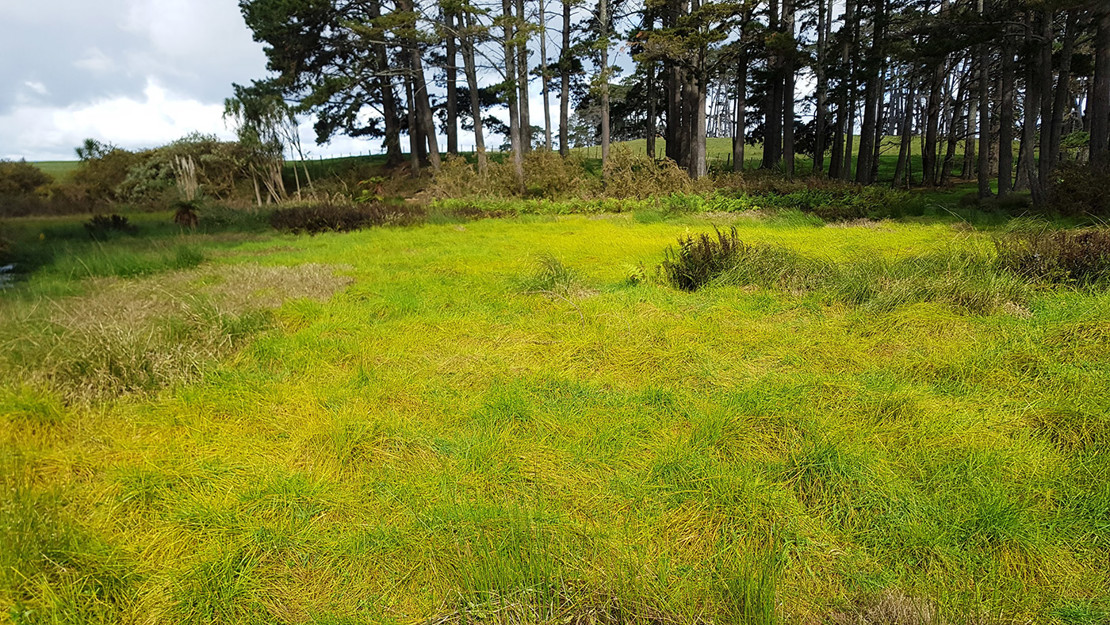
(332, 217)
(1057, 257)
(964, 279)
(551, 277)
(892, 607)
(101, 226)
(137, 336)
(700, 259)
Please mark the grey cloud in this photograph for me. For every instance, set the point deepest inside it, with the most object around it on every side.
(82, 51)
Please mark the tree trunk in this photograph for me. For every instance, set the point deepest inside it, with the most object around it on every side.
(603, 22)
(415, 136)
(652, 113)
(836, 161)
(522, 77)
(820, 115)
(1027, 170)
(1050, 153)
(968, 170)
(740, 123)
(984, 117)
(905, 137)
(471, 70)
(1006, 123)
(451, 70)
(954, 128)
(773, 111)
(510, 74)
(393, 156)
(564, 86)
(545, 78)
(1100, 93)
(788, 90)
(425, 121)
(872, 95)
(932, 126)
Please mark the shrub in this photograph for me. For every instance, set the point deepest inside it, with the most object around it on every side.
(185, 214)
(21, 178)
(102, 226)
(631, 174)
(334, 217)
(1077, 189)
(1062, 256)
(699, 259)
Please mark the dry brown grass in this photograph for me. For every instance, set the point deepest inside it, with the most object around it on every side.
(130, 336)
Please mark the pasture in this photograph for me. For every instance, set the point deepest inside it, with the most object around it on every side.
(516, 421)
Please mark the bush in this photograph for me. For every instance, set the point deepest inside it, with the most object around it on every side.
(1057, 257)
(102, 226)
(332, 217)
(21, 178)
(700, 259)
(1077, 190)
(631, 174)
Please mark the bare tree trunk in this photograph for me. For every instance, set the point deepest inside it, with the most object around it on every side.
(603, 22)
(415, 136)
(652, 113)
(836, 162)
(969, 136)
(740, 123)
(522, 77)
(545, 78)
(984, 117)
(932, 126)
(1027, 170)
(788, 90)
(820, 115)
(393, 155)
(510, 74)
(772, 133)
(905, 136)
(953, 129)
(451, 70)
(1050, 155)
(471, 70)
(1100, 93)
(564, 87)
(1006, 123)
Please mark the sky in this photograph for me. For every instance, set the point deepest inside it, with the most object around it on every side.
(136, 73)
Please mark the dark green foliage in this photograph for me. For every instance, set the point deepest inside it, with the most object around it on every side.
(330, 217)
(102, 226)
(1078, 190)
(699, 259)
(1060, 256)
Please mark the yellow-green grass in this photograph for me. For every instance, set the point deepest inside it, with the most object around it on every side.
(60, 170)
(447, 438)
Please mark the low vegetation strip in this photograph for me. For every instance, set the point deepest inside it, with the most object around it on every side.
(492, 423)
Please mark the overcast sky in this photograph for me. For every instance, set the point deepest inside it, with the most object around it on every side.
(137, 73)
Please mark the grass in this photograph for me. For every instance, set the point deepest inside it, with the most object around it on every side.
(439, 442)
(60, 170)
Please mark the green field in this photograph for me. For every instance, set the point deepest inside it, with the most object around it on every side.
(489, 421)
(60, 170)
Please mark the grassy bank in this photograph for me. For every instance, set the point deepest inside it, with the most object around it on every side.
(504, 421)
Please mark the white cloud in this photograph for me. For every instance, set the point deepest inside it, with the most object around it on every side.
(36, 87)
(95, 61)
(44, 132)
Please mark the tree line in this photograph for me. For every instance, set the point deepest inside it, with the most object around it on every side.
(1004, 91)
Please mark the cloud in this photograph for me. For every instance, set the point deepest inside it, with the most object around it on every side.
(114, 69)
(42, 132)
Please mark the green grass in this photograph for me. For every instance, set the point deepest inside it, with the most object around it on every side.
(60, 170)
(443, 439)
